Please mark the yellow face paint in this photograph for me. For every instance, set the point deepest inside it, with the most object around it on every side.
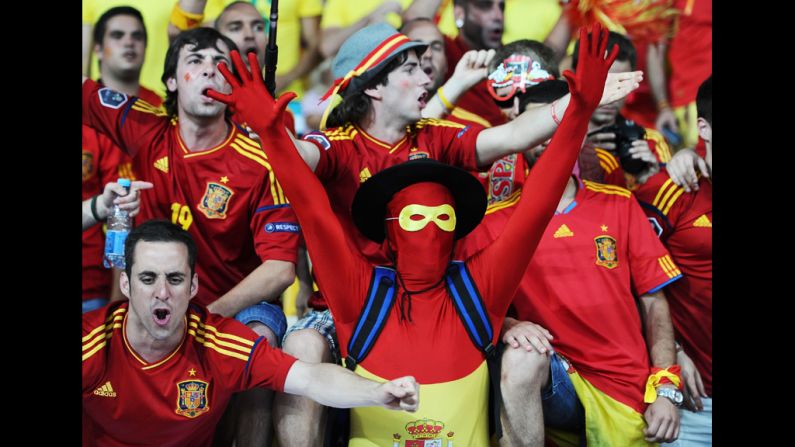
(429, 214)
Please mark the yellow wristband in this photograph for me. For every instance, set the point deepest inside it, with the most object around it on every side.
(654, 381)
(184, 20)
(440, 94)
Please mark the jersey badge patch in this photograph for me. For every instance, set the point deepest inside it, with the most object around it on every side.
(655, 225)
(502, 178)
(282, 227)
(320, 139)
(215, 202)
(425, 433)
(606, 254)
(111, 98)
(192, 400)
(88, 165)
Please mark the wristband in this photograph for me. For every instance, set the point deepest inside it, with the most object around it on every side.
(440, 94)
(658, 376)
(184, 20)
(94, 209)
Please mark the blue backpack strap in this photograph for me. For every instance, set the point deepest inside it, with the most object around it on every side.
(472, 311)
(380, 297)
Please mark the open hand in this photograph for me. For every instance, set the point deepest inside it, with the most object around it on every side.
(249, 97)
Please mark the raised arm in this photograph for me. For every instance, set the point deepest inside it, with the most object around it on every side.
(471, 69)
(547, 180)
(337, 267)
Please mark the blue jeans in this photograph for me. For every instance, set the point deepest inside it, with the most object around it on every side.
(94, 303)
(266, 313)
(559, 401)
(695, 428)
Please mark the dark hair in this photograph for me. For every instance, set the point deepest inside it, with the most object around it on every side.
(626, 50)
(158, 231)
(102, 24)
(356, 104)
(704, 100)
(199, 38)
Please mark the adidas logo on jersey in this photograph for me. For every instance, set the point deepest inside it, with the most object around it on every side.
(162, 164)
(563, 231)
(703, 221)
(105, 390)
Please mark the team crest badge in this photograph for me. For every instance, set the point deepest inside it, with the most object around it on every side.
(215, 202)
(606, 254)
(424, 433)
(192, 400)
(88, 165)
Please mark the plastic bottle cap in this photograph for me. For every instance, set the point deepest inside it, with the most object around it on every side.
(125, 182)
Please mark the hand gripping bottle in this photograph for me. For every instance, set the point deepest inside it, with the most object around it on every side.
(119, 226)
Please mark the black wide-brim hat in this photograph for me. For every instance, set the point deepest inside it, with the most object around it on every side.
(370, 203)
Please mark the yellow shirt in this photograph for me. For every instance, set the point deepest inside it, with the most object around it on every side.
(524, 19)
(343, 13)
(288, 37)
(156, 14)
(451, 414)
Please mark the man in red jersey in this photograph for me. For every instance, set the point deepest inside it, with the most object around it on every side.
(119, 45)
(418, 209)
(375, 122)
(159, 370)
(594, 248)
(683, 221)
(212, 179)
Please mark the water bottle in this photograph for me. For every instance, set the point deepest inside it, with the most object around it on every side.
(119, 226)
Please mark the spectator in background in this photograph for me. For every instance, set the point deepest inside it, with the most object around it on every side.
(120, 40)
(600, 160)
(683, 220)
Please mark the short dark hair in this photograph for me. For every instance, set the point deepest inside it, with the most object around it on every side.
(704, 100)
(102, 24)
(626, 50)
(199, 38)
(158, 231)
(356, 104)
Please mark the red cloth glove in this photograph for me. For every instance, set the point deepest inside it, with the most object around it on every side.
(587, 84)
(249, 96)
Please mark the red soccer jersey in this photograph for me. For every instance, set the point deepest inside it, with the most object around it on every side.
(594, 258)
(178, 400)
(150, 96)
(226, 197)
(103, 162)
(684, 222)
(690, 52)
(476, 104)
(608, 168)
(349, 156)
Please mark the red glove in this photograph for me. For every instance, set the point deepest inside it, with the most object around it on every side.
(587, 84)
(249, 96)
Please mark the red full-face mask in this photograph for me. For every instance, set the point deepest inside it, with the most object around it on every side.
(420, 228)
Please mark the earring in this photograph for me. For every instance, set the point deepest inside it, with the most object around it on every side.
(459, 23)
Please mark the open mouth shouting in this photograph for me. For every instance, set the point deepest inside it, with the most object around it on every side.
(161, 316)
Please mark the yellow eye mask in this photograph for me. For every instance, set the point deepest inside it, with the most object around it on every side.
(429, 214)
